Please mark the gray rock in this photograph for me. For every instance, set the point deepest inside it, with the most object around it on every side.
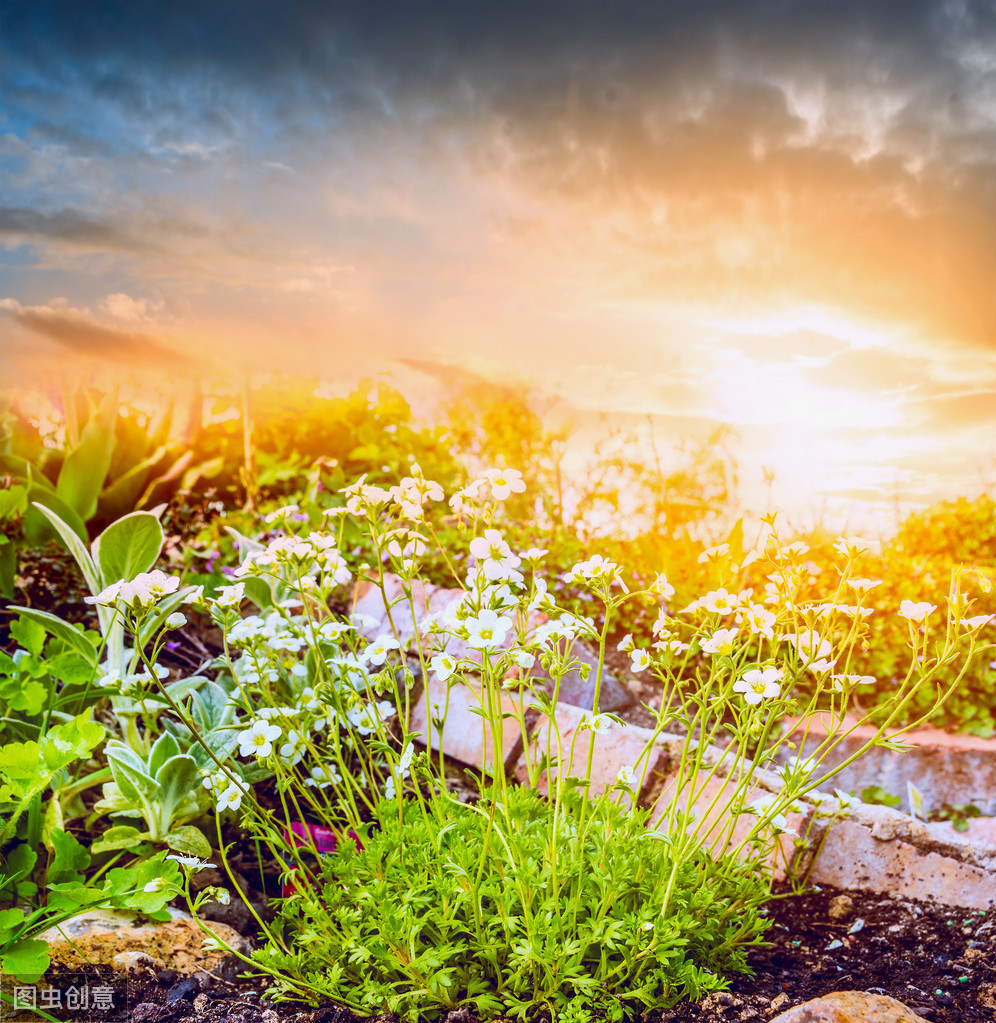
(580, 692)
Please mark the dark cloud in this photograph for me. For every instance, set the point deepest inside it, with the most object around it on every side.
(69, 226)
(84, 336)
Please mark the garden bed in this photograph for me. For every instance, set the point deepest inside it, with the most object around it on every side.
(940, 961)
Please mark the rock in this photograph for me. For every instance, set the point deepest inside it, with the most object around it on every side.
(852, 858)
(850, 1007)
(618, 746)
(109, 938)
(946, 768)
(841, 907)
(580, 692)
(135, 962)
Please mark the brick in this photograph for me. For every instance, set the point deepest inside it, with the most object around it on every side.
(852, 858)
(711, 805)
(945, 767)
(463, 731)
(616, 747)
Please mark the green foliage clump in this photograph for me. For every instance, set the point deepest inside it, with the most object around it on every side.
(433, 915)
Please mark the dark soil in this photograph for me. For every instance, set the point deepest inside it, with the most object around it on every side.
(939, 961)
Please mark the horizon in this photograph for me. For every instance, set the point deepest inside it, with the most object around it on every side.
(777, 217)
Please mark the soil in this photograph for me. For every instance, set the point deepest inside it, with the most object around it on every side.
(938, 960)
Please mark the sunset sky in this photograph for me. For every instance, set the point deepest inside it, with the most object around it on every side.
(777, 215)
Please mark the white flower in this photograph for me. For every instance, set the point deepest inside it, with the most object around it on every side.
(758, 619)
(191, 863)
(157, 884)
(322, 777)
(363, 497)
(230, 596)
(524, 659)
(258, 739)
(916, 611)
(719, 602)
(534, 554)
(293, 749)
(722, 641)
(852, 680)
(376, 653)
(714, 552)
(627, 777)
(488, 630)
(222, 896)
(406, 758)
(505, 482)
(639, 660)
(596, 722)
(809, 645)
(673, 646)
(443, 665)
(822, 666)
(363, 622)
(977, 622)
(758, 685)
(845, 799)
(175, 620)
(661, 586)
(626, 643)
(595, 569)
(850, 546)
(156, 584)
(493, 555)
(863, 585)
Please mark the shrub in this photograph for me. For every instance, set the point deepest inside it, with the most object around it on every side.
(437, 912)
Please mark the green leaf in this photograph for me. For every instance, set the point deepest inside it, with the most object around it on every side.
(190, 840)
(29, 634)
(13, 501)
(85, 468)
(76, 547)
(19, 863)
(25, 697)
(70, 859)
(128, 547)
(61, 630)
(165, 747)
(122, 836)
(8, 567)
(126, 885)
(11, 921)
(27, 960)
(135, 785)
(27, 768)
(177, 779)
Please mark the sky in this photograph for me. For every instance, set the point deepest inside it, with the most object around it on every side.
(775, 215)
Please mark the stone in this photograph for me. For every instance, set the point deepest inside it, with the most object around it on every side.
(580, 692)
(463, 731)
(711, 806)
(135, 962)
(841, 907)
(618, 746)
(111, 938)
(850, 1007)
(851, 857)
(946, 768)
